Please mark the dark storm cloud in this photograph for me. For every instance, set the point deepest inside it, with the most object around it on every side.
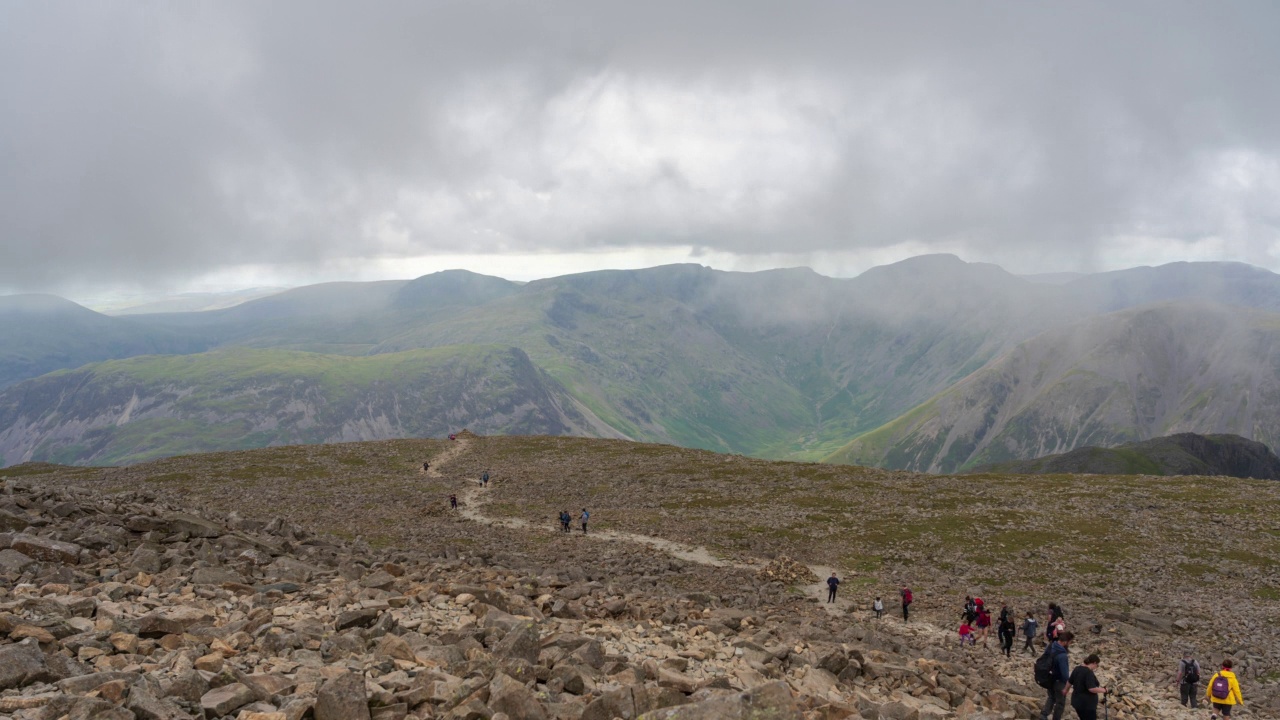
(164, 141)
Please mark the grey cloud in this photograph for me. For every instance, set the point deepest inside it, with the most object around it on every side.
(145, 143)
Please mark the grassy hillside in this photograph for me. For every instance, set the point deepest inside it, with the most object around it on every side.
(1181, 454)
(1124, 377)
(130, 410)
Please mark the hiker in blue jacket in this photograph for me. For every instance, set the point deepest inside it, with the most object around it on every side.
(833, 582)
(1059, 653)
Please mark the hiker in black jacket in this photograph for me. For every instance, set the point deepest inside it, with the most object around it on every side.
(1188, 678)
(833, 582)
(1029, 632)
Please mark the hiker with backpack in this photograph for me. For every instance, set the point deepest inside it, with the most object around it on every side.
(1085, 689)
(906, 602)
(1052, 670)
(453, 502)
(878, 607)
(1224, 691)
(833, 582)
(1188, 678)
(1029, 632)
(984, 625)
(584, 517)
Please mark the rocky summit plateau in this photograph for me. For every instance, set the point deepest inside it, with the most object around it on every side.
(336, 582)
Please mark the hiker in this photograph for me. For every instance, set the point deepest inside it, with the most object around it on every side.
(833, 582)
(1085, 689)
(984, 625)
(1224, 691)
(484, 479)
(1188, 678)
(1055, 614)
(966, 633)
(584, 517)
(565, 519)
(452, 436)
(453, 501)
(1029, 632)
(878, 607)
(970, 613)
(906, 602)
(1053, 669)
(1006, 631)
(426, 466)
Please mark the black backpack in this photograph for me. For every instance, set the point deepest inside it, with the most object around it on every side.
(1190, 672)
(1044, 669)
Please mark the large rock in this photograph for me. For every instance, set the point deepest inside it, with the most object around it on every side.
(290, 570)
(342, 698)
(772, 701)
(46, 550)
(12, 522)
(193, 526)
(13, 562)
(147, 706)
(215, 576)
(226, 699)
(362, 617)
(509, 696)
(71, 707)
(21, 665)
(521, 642)
(172, 621)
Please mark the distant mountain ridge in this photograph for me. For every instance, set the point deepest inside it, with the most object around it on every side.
(780, 364)
(1181, 454)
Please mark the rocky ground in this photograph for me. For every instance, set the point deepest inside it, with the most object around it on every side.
(221, 594)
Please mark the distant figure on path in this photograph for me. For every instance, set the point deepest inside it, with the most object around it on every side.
(584, 517)
(484, 479)
(966, 633)
(453, 501)
(833, 582)
(452, 436)
(970, 614)
(1188, 678)
(565, 519)
(1029, 627)
(1005, 613)
(878, 606)
(1055, 614)
(906, 602)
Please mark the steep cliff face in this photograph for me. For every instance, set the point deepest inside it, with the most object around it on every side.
(1125, 377)
(136, 409)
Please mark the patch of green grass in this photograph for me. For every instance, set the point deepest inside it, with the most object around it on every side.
(1266, 592)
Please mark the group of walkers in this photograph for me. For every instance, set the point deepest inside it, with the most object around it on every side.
(833, 583)
(453, 498)
(566, 519)
(1222, 691)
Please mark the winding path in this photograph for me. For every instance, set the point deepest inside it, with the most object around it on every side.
(473, 497)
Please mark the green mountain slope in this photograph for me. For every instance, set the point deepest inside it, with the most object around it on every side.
(1123, 377)
(43, 333)
(1181, 454)
(129, 410)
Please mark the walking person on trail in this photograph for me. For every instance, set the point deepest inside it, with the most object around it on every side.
(1224, 691)
(1188, 678)
(906, 602)
(970, 613)
(426, 466)
(1005, 632)
(1029, 632)
(833, 582)
(1050, 627)
(984, 625)
(1052, 671)
(584, 517)
(1085, 689)
(966, 633)
(878, 607)
(453, 502)
(484, 479)
(565, 519)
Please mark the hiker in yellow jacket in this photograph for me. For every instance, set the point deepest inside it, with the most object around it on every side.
(1224, 691)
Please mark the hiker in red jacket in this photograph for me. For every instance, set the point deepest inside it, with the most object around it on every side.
(906, 602)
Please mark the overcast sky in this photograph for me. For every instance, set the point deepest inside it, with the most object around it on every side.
(167, 146)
